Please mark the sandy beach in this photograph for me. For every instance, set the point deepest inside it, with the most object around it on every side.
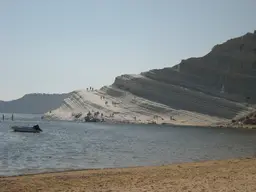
(225, 175)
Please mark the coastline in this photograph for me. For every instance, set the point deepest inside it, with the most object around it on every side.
(84, 105)
(219, 125)
(215, 175)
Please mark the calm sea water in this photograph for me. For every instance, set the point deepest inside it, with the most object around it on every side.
(67, 145)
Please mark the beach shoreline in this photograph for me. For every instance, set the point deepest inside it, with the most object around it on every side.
(214, 175)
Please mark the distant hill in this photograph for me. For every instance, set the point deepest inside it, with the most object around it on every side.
(35, 103)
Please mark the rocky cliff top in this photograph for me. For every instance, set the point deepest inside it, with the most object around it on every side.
(205, 84)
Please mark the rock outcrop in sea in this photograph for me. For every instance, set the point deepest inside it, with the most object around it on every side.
(206, 90)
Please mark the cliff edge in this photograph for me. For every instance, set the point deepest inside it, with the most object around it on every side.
(199, 91)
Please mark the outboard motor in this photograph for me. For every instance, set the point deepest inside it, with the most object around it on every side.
(36, 127)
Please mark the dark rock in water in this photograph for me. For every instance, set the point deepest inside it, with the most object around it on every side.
(249, 119)
(91, 119)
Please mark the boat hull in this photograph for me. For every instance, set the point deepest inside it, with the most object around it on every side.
(25, 129)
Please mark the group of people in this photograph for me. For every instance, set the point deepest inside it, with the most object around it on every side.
(93, 117)
(96, 114)
(90, 88)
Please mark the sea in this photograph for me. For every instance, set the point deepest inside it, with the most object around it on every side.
(67, 145)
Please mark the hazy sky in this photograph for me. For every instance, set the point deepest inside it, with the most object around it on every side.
(59, 45)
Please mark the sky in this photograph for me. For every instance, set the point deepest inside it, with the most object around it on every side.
(56, 46)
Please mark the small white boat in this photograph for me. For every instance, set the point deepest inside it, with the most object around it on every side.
(33, 129)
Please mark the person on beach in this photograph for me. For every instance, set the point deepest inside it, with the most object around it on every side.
(241, 47)
(3, 117)
(12, 117)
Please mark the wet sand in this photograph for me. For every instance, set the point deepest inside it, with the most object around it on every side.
(226, 175)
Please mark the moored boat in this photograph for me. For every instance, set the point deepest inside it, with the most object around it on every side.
(33, 129)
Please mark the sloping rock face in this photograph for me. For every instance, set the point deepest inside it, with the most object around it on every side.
(218, 84)
(204, 91)
(115, 105)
